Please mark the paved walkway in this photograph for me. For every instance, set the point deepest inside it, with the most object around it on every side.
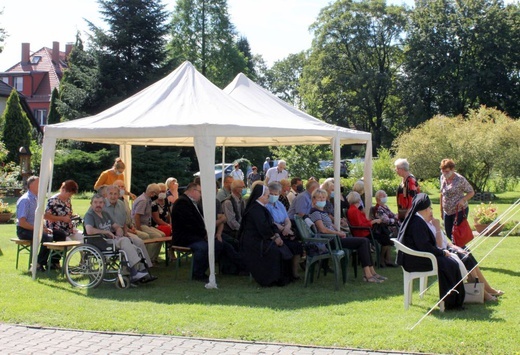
(18, 339)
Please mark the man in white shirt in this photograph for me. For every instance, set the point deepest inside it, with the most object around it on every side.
(237, 173)
(277, 173)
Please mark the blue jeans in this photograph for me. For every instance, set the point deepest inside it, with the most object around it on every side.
(200, 257)
(449, 220)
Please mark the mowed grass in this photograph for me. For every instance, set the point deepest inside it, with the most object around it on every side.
(359, 315)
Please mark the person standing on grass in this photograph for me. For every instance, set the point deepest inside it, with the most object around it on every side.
(237, 173)
(455, 194)
(277, 173)
(108, 177)
(407, 189)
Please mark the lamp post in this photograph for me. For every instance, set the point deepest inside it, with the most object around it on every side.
(25, 163)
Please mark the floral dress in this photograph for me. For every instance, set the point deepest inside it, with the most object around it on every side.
(453, 192)
(58, 207)
(164, 211)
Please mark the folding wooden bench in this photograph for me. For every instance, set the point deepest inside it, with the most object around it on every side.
(164, 240)
(23, 245)
(61, 249)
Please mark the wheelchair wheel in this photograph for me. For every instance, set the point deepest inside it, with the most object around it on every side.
(111, 267)
(122, 282)
(85, 267)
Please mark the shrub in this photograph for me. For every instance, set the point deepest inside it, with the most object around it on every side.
(483, 143)
(82, 167)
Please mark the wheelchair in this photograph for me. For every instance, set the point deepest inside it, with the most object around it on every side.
(97, 260)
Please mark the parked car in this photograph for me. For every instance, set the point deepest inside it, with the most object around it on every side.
(327, 165)
(228, 168)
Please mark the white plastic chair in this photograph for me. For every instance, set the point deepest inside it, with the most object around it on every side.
(408, 277)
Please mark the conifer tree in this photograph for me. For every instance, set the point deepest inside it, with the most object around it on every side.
(203, 34)
(54, 116)
(17, 128)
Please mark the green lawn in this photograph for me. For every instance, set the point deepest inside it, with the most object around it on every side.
(359, 315)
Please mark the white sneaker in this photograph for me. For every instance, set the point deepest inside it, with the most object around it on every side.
(138, 276)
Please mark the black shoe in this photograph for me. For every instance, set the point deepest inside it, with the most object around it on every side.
(148, 278)
(40, 268)
(391, 265)
(56, 266)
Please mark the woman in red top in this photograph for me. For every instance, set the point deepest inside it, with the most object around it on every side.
(357, 218)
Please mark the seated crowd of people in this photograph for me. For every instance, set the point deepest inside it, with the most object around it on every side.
(254, 236)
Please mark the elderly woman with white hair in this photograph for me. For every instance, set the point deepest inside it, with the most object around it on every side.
(356, 217)
(359, 187)
(408, 188)
(324, 225)
(388, 228)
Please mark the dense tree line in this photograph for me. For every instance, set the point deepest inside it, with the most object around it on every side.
(372, 67)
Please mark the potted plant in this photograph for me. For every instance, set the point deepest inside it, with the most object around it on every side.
(483, 216)
(6, 212)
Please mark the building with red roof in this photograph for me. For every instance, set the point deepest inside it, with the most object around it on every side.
(36, 76)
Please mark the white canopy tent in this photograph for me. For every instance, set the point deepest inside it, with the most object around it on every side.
(186, 109)
(260, 100)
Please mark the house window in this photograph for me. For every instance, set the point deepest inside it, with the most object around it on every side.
(35, 59)
(41, 116)
(5, 79)
(18, 83)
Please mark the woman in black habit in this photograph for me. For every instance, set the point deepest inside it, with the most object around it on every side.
(415, 234)
(261, 247)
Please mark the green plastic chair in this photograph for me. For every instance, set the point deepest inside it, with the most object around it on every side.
(335, 254)
(373, 241)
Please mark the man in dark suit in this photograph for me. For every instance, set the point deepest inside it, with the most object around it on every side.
(189, 230)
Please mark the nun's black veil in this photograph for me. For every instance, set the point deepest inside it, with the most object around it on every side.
(420, 202)
(255, 194)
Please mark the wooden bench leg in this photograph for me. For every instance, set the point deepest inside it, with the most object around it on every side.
(19, 249)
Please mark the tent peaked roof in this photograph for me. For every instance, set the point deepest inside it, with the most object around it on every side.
(184, 105)
(259, 99)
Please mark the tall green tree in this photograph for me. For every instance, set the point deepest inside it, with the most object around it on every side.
(284, 78)
(244, 48)
(351, 75)
(54, 116)
(131, 50)
(80, 87)
(17, 128)
(202, 33)
(462, 54)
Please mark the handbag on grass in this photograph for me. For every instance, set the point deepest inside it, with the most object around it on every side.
(474, 292)
(461, 232)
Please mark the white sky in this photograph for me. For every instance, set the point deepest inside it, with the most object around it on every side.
(274, 28)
